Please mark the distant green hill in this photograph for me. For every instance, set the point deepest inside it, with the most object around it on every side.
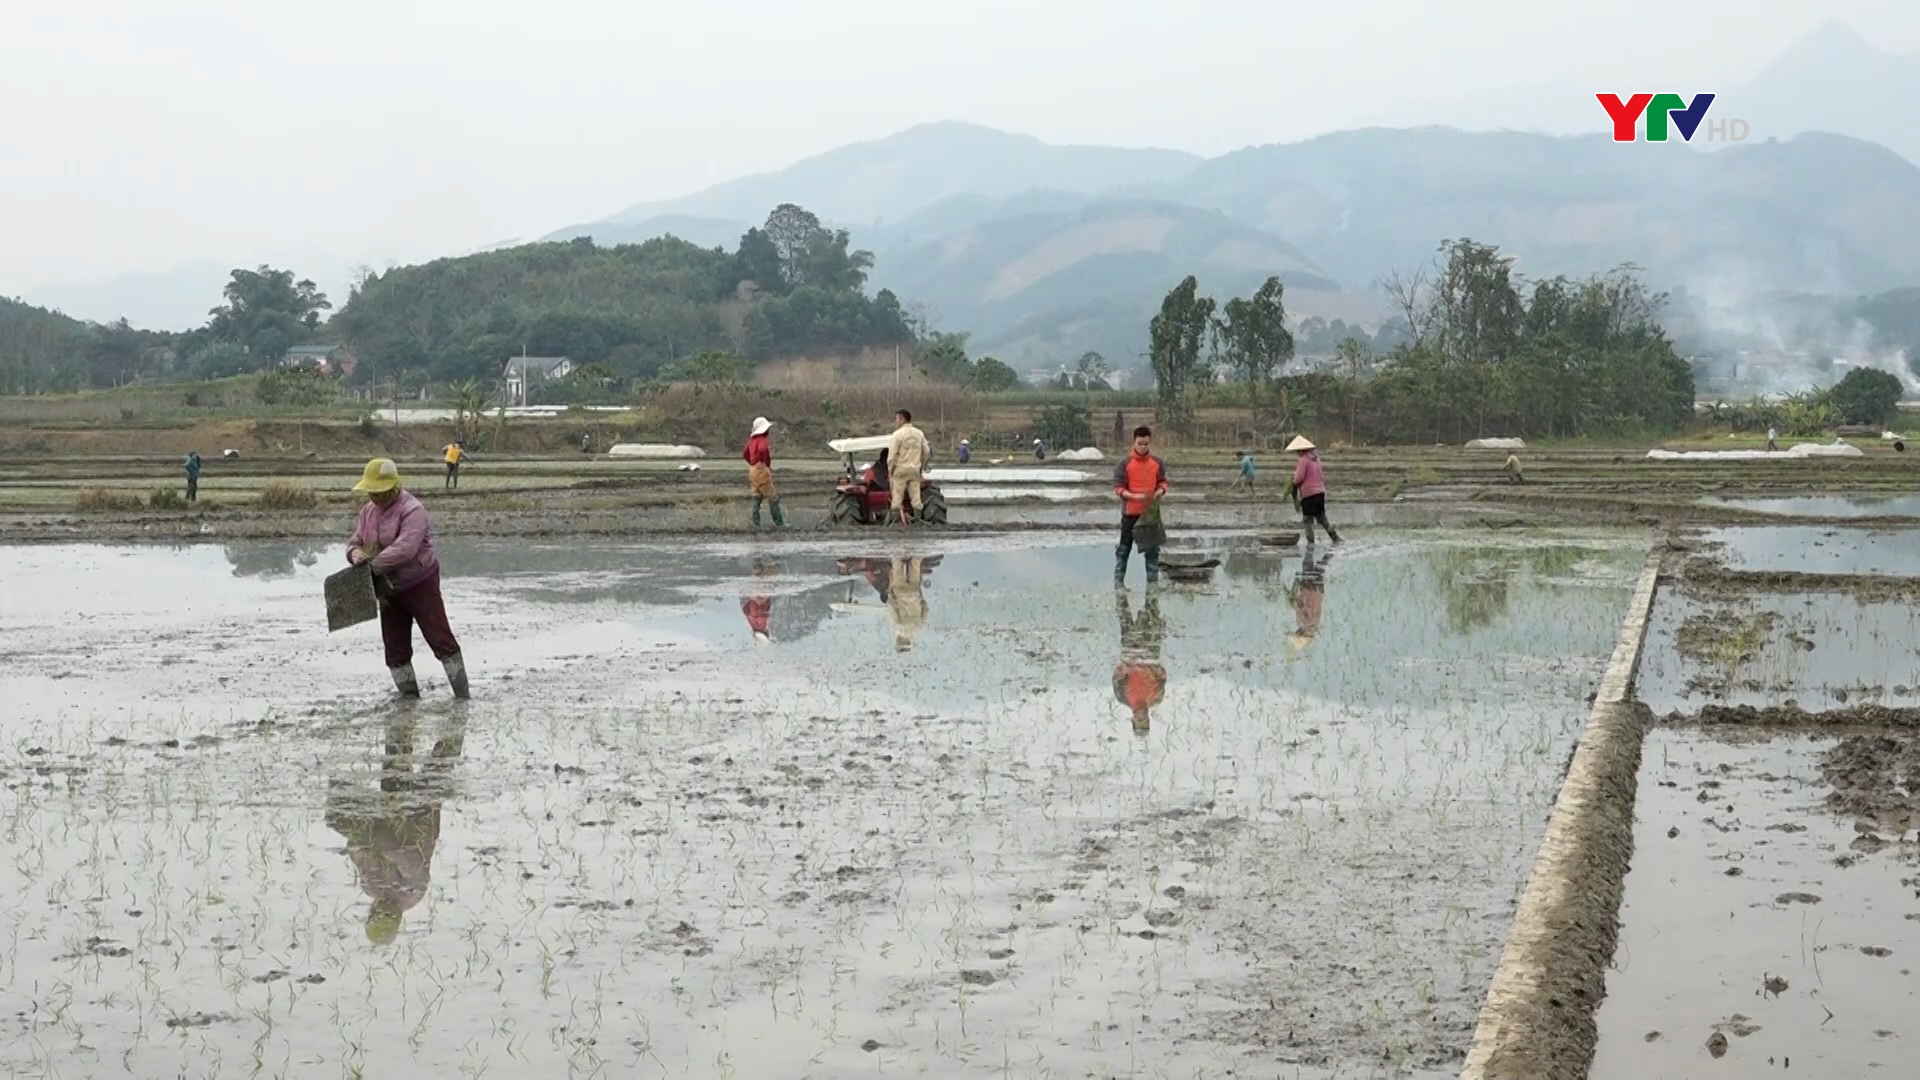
(43, 351)
(633, 308)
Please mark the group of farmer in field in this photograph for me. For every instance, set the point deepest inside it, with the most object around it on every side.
(1140, 481)
(394, 535)
(898, 469)
(394, 532)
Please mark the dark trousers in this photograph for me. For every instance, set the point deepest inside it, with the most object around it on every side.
(1314, 508)
(1125, 551)
(193, 488)
(420, 603)
(453, 474)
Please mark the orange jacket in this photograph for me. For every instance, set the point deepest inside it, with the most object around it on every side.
(1139, 685)
(1136, 478)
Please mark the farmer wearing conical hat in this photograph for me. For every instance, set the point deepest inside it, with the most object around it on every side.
(1309, 595)
(1308, 489)
(395, 534)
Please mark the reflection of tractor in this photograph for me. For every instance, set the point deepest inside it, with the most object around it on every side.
(863, 495)
(879, 574)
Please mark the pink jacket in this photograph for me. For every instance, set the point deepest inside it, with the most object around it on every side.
(403, 535)
(1307, 480)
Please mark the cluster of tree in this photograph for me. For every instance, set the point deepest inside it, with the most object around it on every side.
(1488, 352)
(1063, 427)
(1188, 342)
(44, 351)
(1862, 396)
(305, 385)
(636, 310)
(944, 356)
(266, 312)
(1090, 373)
(1482, 352)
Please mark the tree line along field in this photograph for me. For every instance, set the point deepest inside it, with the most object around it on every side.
(1483, 351)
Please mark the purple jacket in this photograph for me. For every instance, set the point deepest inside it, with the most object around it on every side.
(403, 535)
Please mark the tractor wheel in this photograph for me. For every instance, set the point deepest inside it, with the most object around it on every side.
(844, 510)
(934, 510)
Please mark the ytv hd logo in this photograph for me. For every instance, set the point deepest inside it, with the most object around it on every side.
(1664, 110)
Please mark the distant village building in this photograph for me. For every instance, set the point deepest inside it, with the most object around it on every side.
(524, 371)
(330, 359)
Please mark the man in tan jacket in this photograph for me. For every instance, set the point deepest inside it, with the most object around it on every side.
(906, 459)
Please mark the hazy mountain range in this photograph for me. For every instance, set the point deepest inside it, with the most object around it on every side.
(1040, 251)
(1041, 275)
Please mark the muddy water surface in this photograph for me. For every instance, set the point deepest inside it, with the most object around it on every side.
(787, 810)
(1814, 651)
(1764, 933)
(1816, 549)
(1827, 506)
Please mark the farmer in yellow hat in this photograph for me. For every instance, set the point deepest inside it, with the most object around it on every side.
(1308, 489)
(396, 536)
(391, 830)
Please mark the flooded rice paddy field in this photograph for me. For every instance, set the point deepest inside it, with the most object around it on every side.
(1803, 651)
(1772, 912)
(1824, 506)
(1770, 916)
(1816, 549)
(808, 809)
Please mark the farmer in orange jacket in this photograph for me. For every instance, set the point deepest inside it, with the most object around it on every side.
(1139, 680)
(1138, 482)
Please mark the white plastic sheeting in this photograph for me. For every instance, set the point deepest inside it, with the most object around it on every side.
(655, 451)
(1799, 451)
(1085, 453)
(1497, 444)
(866, 444)
(1009, 476)
(518, 412)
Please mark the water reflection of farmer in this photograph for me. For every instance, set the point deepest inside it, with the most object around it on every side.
(906, 604)
(1139, 680)
(759, 608)
(1309, 596)
(391, 832)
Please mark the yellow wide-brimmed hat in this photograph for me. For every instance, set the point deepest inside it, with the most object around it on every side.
(1299, 443)
(381, 475)
(383, 925)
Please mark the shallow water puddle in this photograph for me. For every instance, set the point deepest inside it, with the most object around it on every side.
(1817, 549)
(707, 816)
(1827, 506)
(1761, 927)
(1819, 651)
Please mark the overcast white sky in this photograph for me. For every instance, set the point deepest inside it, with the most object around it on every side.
(140, 134)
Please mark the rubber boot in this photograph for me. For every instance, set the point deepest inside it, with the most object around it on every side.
(456, 675)
(779, 520)
(404, 681)
(1306, 525)
(1153, 566)
(1120, 569)
(757, 500)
